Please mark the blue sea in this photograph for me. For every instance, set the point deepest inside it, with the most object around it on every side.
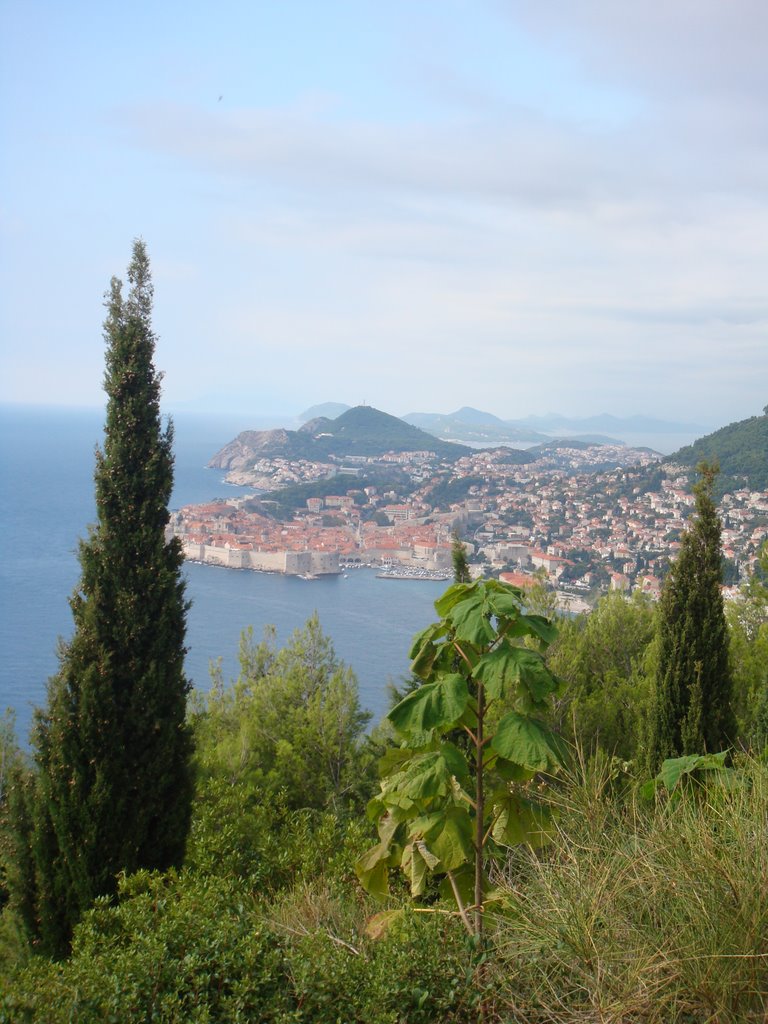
(46, 504)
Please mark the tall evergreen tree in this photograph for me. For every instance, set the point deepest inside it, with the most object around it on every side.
(112, 747)
(692, 709)
(461, 573)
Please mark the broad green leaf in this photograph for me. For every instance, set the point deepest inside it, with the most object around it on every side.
(463, 654)
(674, 768)
(426, 826)
(520, 821)
(392, 758)
(470, 619)
(648, 789)
(429, 858)
(375, 808)
(376, 881)
(511, 772)
(416, 867)
(425, 651)
(507, 666)
(527, 742)
(429, 635)
(493, 671)
(452, 845)
(534, 625)
(394, 799)
(455, 761)
(469, 718)
(426, 776)
(458, 792)
(373, 871)
(388, 825)
(497, 586)
(533, 673)
(464, 879)
(452, 596)
(433, 706)
(504, 603)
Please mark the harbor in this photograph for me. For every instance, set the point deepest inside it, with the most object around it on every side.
(404, 572)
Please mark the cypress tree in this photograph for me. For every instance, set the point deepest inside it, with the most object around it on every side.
(112, 747)
(461, 573)
(692, 710)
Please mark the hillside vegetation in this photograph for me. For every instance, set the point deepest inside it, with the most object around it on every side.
(741, 449)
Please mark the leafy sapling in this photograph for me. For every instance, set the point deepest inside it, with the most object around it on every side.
(449, 808)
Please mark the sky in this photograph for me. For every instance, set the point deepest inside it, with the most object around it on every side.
(526, 207)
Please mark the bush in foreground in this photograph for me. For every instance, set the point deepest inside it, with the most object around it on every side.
(189, 949)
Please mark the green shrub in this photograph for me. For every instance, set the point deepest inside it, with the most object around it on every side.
(239, 831)
(419, 972)
(190, 949)
(178, 950)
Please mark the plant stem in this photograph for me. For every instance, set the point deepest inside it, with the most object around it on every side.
(459, 903)
(479, 812)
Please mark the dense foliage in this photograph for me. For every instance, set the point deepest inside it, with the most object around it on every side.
(604, 658)
(635, 909)
(748, 622)
(642, 911)
(461, 573)
(692, 710)
(451, 490)
(291, 725)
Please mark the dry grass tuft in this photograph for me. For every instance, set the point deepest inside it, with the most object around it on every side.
(652, 913)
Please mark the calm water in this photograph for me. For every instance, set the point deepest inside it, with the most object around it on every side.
(46, 503)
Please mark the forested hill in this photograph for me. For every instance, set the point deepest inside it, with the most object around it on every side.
(359, 431)
(367, 431)
(741, 449)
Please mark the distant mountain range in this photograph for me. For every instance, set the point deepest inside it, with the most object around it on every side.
(366, 431)
(471, 426)
(476, 427)
(553, 422)
(358, 431)
(741, 449)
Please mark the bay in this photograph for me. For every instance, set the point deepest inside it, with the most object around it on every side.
(46, 504)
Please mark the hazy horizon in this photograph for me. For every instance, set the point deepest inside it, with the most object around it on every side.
(515, 206)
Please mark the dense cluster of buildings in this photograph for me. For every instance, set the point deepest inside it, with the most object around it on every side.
(227, 533)
(586, 518)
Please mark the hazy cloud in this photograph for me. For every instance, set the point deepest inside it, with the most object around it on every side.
(568, 201)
